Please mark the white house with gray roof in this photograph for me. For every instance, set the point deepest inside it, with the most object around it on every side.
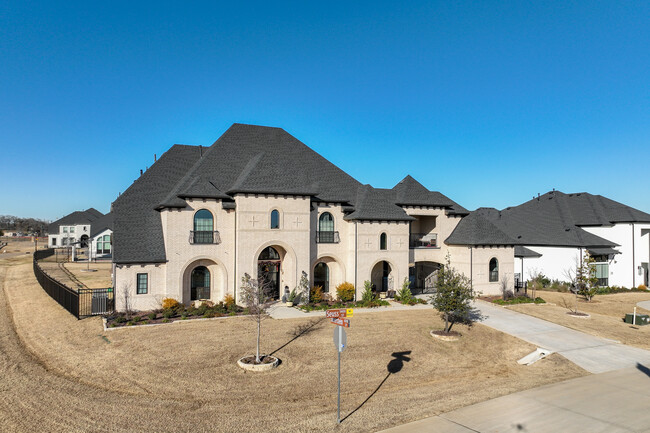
(259, 201)
(72, 229)
(552, 231)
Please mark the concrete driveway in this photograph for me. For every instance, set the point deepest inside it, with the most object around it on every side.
(612, 402)
(594, 354)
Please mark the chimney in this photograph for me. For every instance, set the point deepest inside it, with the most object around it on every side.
(201, 150)
(155, 158)
(140, 172)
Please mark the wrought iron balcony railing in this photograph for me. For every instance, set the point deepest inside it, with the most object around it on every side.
(423, 240)
(204, 237)
(327, 237)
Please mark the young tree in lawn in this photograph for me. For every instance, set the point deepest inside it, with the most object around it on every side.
(453, 297)
(256, 295)
(586, 280)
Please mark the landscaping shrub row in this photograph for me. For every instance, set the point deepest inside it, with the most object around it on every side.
(617, 289)
(173, 310)
(519, 300)
(326, 305)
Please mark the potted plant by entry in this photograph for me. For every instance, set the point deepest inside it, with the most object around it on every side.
(291, 298)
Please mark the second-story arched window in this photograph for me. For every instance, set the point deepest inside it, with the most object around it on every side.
(494, 270)
(275, 219)
(326, 222)
(203, 227)
(383, 241)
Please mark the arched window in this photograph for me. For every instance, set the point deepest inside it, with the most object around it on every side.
(203, 226)
(326, 222)
(322, 276)
(383, 241)
(104, 244)
(275, 219)
(200, 283)
(494, 270)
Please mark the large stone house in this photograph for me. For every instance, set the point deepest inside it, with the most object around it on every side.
(259, 201)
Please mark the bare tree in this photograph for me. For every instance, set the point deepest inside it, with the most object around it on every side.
(504, 284)
(126, 298)
(256, 295)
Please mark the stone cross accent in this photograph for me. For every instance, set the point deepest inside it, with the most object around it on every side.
(254, 220)
(368, 244)
(297, 222)
(399, 243)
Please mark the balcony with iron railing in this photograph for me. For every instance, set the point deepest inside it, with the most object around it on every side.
(327, 237)
(423, 240)
(204, 237)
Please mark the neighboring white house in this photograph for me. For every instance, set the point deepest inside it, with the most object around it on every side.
(101, 238)
(259, 201)
(552, 232)
(72, 229)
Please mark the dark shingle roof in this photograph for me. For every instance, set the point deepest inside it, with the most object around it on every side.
(101, 224)
(137, 227)
(378, 205)
(78, 217)
(523, 252)
(250, 159)
(555, 219)
(475, 229)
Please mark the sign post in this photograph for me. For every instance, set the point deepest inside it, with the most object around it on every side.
(337, 317)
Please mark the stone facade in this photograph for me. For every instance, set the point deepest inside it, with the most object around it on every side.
(355, 252)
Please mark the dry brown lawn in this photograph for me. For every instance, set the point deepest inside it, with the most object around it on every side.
(607, 313)
(73, 376)
(99, 279)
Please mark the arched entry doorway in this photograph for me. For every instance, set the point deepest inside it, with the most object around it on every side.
(200, 284)
(423, 277)
(83, 242)
(322, 276)
(381, 278)
(268, 269)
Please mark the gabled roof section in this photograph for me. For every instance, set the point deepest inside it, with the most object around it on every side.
(137, 226)
(410, 192)
(77, 217)
(523, 252)
(266, 160)
(203, 188)
(475, 229)
(101, 224)
(377, 204)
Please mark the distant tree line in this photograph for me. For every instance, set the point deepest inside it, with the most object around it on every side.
(25, 225)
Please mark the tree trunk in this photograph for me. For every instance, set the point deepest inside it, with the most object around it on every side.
(446, 322)
(257, 353)
(449, 330)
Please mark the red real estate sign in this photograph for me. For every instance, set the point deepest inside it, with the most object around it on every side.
(341, 322)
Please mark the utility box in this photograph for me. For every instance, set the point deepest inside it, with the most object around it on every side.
(641, 319)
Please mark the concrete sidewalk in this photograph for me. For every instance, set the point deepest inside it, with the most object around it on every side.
(644, 304)
(611, 402)
(594, 354)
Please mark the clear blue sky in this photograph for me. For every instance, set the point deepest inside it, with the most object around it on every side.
(488, 102)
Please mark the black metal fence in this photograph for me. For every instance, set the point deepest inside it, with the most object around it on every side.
(80, 303)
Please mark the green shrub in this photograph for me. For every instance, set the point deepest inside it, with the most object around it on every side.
(166, 320)
(168, 314)
(136, 319)
(345, 292)
(229, 302)
(152, 316)
(404, 294)
(368, 295)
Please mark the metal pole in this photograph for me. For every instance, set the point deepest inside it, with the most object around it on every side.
(633, 321)
(338, 401)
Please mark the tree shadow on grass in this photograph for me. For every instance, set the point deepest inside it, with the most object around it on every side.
(301, 330)
(394, 366)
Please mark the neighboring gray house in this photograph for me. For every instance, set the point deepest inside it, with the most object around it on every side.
(101, 237)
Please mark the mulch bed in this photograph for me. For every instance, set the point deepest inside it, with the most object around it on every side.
(264, 359)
